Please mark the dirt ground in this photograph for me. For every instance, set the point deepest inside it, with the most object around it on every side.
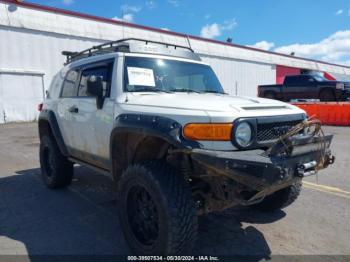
(82, 220)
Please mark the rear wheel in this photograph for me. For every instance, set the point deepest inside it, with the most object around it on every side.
(56, 170)
(327, 96)
(280, 199)
(156, 210)
(270, 95)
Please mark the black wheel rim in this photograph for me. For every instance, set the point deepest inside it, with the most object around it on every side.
(142, 215)
(48, 162)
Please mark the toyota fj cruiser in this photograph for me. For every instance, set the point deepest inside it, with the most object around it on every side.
(157, 119)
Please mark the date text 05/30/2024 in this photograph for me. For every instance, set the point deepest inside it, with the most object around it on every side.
(173, 258)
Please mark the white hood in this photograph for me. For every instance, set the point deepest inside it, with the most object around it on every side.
(203, 108)
(213, 103)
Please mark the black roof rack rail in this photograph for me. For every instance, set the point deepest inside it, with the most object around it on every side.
(113, 46)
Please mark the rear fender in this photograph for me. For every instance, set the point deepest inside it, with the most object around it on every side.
(47, 119)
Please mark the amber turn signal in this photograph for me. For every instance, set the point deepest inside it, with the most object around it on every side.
(214, 132)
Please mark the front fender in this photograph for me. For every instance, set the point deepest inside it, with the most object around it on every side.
(130, 130)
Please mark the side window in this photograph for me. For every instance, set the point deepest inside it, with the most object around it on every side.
(104, 72)
(70, 88)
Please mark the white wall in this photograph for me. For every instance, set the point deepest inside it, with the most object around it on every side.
(241, 77)
(35, 18)
(32, 40)
(24, 50)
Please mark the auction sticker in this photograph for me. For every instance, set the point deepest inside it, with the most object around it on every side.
(141, 76)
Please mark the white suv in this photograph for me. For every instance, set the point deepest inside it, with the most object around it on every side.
(157, 119)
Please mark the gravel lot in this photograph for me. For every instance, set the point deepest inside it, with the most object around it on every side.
(82, 220)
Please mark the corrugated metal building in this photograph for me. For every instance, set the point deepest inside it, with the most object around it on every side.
(32, 38)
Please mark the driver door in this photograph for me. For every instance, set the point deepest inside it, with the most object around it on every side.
(95, 125)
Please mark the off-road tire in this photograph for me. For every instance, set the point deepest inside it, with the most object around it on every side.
(56, 170)
(174, 205)
(280, 199)
(327, 96)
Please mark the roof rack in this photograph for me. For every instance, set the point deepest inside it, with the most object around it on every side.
(114, 46)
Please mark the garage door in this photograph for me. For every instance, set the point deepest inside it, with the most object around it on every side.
(19, 96)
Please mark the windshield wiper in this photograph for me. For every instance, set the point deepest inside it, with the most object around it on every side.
(184, 90)
(153, 89)
(214, 92)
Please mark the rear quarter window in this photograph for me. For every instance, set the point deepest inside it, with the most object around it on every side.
(56, 85)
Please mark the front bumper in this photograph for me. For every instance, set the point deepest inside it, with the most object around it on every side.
(343, 95)
(346, 95)
(266, 173)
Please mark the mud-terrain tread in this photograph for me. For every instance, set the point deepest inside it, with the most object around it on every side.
(179, 204)
(63, 168)
(280, 199)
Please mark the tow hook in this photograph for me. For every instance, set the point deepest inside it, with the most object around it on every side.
(329, 160)
(307, 169)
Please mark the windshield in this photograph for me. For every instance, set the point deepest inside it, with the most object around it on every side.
(162, 75)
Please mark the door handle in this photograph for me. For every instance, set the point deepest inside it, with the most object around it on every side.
(73, 109)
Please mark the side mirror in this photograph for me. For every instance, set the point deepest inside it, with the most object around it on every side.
(94, 87)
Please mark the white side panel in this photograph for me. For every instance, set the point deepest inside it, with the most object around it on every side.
(241, 77)
(20, 95)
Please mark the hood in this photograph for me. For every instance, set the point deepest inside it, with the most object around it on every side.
(346, 83)
(206, 102)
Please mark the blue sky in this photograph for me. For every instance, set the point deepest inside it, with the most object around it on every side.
(310, 28)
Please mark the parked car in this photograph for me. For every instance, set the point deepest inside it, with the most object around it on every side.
(306, 87)
(156, 118)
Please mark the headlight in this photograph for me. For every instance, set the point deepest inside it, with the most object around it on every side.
(243, 134)
(340, 86)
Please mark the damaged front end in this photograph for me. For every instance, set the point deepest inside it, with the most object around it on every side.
(229, 178)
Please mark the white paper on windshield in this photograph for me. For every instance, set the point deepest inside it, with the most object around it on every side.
(141, 76)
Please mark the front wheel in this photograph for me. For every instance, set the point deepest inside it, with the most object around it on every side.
(327, 96)
(280, 199)
(156, 210)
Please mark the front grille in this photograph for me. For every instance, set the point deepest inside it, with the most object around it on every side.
(272, 131)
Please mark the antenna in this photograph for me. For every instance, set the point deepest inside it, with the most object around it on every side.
(123, 24)
(188, 41)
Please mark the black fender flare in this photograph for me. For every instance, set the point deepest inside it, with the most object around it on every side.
(50, 117)
(141, 125)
